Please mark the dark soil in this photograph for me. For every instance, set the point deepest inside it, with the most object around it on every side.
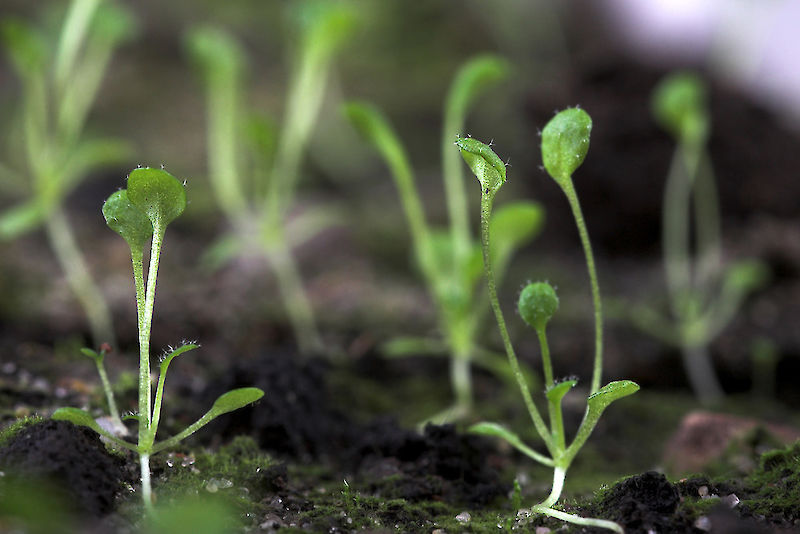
(297, 420)
(70, 458)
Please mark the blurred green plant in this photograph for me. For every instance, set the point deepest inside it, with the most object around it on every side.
(704, 296)
(565, 142)
(141, 213)
(254, 168)
(60, 78)
(449, 259)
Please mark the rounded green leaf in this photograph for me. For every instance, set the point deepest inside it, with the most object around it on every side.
(484, 163)
(472, 78)
(127, 220)
(679, 106)
(158, 194)
(565, 142)
(215, 52)
(235, 399)
(747, 275)
(537, 304)
(515, 223)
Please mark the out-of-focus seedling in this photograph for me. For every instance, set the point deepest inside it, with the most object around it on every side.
(141, 213)
(253, 168)
(449, 259)
(59, 79)
(703, 296)
(565, 142)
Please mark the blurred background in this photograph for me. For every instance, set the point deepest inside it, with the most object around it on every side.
(606, 56)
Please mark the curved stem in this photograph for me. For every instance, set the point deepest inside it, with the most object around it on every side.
(541, 428)
(574, 204)
(578, 520)
(62, 241)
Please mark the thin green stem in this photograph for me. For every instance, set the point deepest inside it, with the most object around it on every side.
(62, 241)
(295, 300)
(538, 422)
(675, 233)
(188, 431)
(112, 403)
(577, 213)
(455, 192)
(707, 219)
(578, 520)
(145, 323)
(73, 34)
(461, 378)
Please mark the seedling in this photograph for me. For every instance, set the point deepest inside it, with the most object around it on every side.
(59, 84)
(703, 296)
(141, 213)
(449, 259)
(565, 142)
(256, 199)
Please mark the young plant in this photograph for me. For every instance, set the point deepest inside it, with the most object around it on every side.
(565, 142)
(703, 296)
(253, 170)
(449, 259)
(141, 213)
(59, 83)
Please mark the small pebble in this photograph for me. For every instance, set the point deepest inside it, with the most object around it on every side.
(702, 491)
(463, 517)
(703, 523)
(730, 500)
(542, 530)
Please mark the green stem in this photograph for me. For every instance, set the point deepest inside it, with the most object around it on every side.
(147, 489)
(577, 213)
(700, 370)
(145, 323)
(578, 520)
(63, 243)
(461, 378)
(73, 34)
(675, 232)
(455, 192)
(707, 218)
(112, 403)
(295, 300)
(541, 428)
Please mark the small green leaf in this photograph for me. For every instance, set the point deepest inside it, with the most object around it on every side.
(80, 417)
(511, 226)
(113, 24)
(565, 142)
(557, 392)
(20, 219)
(599, 400)
(235, 399)
(158, 194)
(127, 220)
(679, 106)
(537, 304)
(165, 361)
(216, 53)
(373, 126)
(747, 275)
(499, 431)
(26, 46)
(96, 356)
(484, 163)
(516, 222)
(472, 79)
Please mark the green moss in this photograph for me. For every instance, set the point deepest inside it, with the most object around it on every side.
(7, 433)
(774, 488)
(236, 474)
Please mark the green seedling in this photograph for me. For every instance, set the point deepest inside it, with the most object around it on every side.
(565, 142)
(449, 259)
(59, 79)
(139, 214)
(253, 168)
(704, 297)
